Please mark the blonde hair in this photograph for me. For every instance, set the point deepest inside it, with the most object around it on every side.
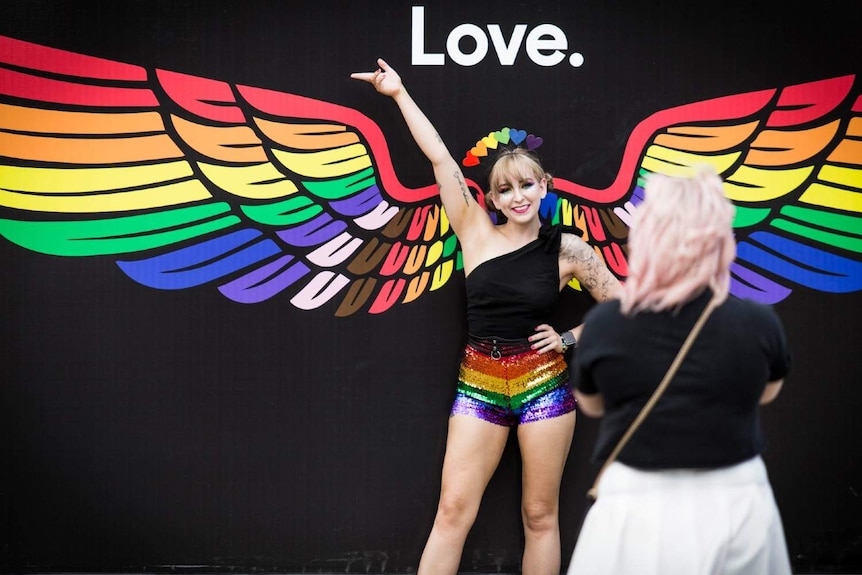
(512, 164)
(680, 242)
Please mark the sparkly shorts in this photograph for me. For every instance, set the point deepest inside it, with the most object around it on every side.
(507, 383)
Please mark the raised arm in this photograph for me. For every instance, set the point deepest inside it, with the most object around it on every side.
(464, 213)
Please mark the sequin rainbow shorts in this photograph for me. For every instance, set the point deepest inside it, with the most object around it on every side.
(507, 383)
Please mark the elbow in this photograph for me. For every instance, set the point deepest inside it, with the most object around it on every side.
(771, 391)
(591, 405)
(441, 160)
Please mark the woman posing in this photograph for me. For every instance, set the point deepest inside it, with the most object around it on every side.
(513, 373)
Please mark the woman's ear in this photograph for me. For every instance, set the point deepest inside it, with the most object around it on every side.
(489, 202)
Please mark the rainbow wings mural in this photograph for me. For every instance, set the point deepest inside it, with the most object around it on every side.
(791, 159)
(187, 181)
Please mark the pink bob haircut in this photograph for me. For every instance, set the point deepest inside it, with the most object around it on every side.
(680, 242)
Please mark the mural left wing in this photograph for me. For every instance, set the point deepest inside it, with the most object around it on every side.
(188, 181)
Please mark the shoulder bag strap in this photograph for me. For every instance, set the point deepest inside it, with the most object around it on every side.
(593, 492)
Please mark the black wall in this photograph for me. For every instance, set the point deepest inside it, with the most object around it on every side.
(154, 430)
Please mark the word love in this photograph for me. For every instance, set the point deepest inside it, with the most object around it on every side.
(545, 44)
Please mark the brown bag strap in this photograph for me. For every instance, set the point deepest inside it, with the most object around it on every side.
(593, 492)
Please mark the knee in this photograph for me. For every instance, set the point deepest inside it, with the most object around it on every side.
(455, 512)
(540, 516)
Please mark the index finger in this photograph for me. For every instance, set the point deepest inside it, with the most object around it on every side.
(367, 76)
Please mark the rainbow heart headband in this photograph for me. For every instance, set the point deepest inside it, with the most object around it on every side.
(503, 137)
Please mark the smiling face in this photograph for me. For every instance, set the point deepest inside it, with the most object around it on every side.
(518, 184)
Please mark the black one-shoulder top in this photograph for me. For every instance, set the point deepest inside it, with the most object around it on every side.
(508, 296)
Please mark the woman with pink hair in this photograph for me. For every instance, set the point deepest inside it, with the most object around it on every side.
(689, 492)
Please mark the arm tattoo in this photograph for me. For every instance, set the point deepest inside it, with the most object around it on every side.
(591, 270)
(465, 191)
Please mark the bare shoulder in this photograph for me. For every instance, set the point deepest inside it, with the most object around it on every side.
(573, 248)
(580, 261)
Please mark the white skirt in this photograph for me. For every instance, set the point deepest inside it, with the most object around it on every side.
(683, 522)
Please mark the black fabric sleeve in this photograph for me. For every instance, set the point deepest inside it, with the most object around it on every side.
(585, 353)
(779, 352)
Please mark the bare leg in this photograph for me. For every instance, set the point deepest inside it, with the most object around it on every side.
(544, 448)
(473, 450)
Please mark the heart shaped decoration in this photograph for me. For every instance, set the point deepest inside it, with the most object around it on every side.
(479, 150)
(517, 136)
(534, 142)
(470, 160)
(502, 136)
(490, 141)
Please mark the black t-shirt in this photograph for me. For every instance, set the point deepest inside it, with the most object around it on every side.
(709, 415)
